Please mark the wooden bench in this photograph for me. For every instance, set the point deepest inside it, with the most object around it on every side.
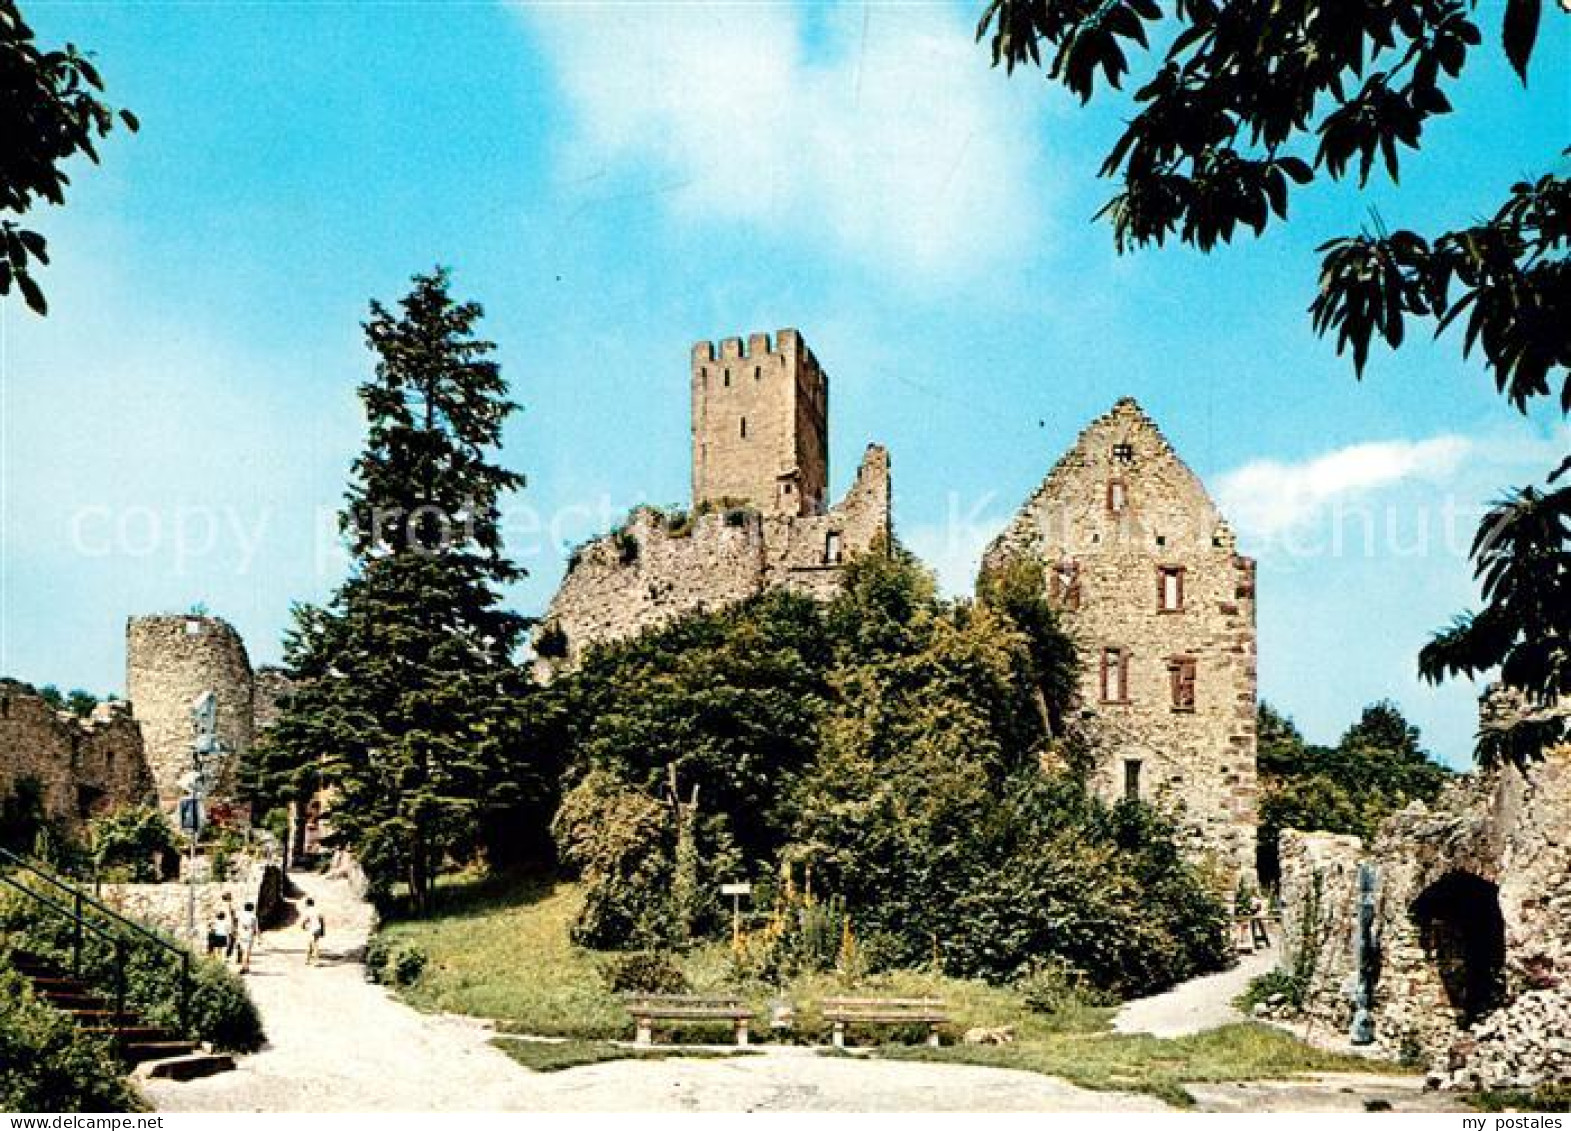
(844, 1011)
(646, 1009)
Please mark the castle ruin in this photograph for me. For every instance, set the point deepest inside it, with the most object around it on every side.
(760, 454)
(1146, 577)
(136, 751)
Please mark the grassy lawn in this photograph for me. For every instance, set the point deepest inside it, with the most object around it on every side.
(1115, 1062)
(554, 1056)
(505, 954)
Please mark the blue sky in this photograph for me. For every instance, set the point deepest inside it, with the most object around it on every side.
(614, 183)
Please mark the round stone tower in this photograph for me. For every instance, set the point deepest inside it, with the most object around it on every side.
(170, 660)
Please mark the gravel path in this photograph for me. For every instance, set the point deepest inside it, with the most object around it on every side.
(338, 1043)
(1197, 1005)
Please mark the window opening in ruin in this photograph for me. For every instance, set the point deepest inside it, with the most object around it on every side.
(1181, 673)
(832, 552)
(1170, 589)
(1115, 675)
(5, 707)
(744, 427)
(1131, 779)
(1117, 495)
(193, 628)
(1463, 933)
(1124, 453)
(1064, 585)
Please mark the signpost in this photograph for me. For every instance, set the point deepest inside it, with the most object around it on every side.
(736, 892)
(196, 784)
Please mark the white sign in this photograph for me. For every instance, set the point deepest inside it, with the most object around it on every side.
(736, 889)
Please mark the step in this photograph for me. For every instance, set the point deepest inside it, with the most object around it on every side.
(190, 1067)
(139, 1052)
(69, 1002)
(132, 1032)
(114, 1018)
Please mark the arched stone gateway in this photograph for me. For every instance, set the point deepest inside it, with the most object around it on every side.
(1463, 934)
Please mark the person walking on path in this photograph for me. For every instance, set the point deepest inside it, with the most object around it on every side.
(219, 934)
(314, 927)
(246, 936)
(226, 910)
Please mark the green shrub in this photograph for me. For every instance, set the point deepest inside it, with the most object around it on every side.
(645, 972)
(1268, 985)
(128, 842)
(407, 965)
(377, 953)
(47, 1064)
(1054, 986)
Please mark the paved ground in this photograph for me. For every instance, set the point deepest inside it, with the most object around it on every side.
(338, 1043)
(1197, 1005)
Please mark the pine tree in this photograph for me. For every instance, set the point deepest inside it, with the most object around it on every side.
(406, 709)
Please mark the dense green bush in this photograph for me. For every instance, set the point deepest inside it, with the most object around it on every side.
(129, 842)
(890, 746)
(47, 1064)
(220, 1009)
(646, 972)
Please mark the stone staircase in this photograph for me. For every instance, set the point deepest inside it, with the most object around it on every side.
(151, 1051)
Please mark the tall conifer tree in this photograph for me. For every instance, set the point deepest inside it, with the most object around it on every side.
(406, 707)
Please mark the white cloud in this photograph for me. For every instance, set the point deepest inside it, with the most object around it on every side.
(891, 139)
(1267, 498)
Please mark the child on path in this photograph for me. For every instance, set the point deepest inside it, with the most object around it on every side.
(219, 938)
(246, 936)
(314, 927)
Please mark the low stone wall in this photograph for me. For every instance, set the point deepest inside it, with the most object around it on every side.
(166, 906)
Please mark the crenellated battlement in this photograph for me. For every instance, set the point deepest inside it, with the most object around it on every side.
(756, 347)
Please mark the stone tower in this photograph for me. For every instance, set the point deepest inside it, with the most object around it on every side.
(170, 660)
(1145, 575)
(761, 425)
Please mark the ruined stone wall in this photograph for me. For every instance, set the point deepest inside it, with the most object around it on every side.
(1119, 520)
(83, 766)
(760, 424)
(648, 574)
(170, 660)
(656, 569)
(805, 555)
(1504, 841)
(269, 687)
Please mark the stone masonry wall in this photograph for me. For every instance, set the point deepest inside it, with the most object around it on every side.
(760, 424)
(1504, 841)
(170, 660)
(1115, 513)
(648, 573)
(83, 766)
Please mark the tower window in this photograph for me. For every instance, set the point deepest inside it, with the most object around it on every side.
(1181, 673)
(744, 427)
(832, 551)
(1117, 496)
(758, 372)
(1115, 675)
(1170, 589)
(728, 378)
(1131, 779)
(1124, 453)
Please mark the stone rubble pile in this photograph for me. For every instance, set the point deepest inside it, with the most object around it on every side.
(1522, 1046)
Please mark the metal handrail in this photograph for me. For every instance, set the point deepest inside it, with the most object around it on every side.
(79, 920)
(78, 893)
